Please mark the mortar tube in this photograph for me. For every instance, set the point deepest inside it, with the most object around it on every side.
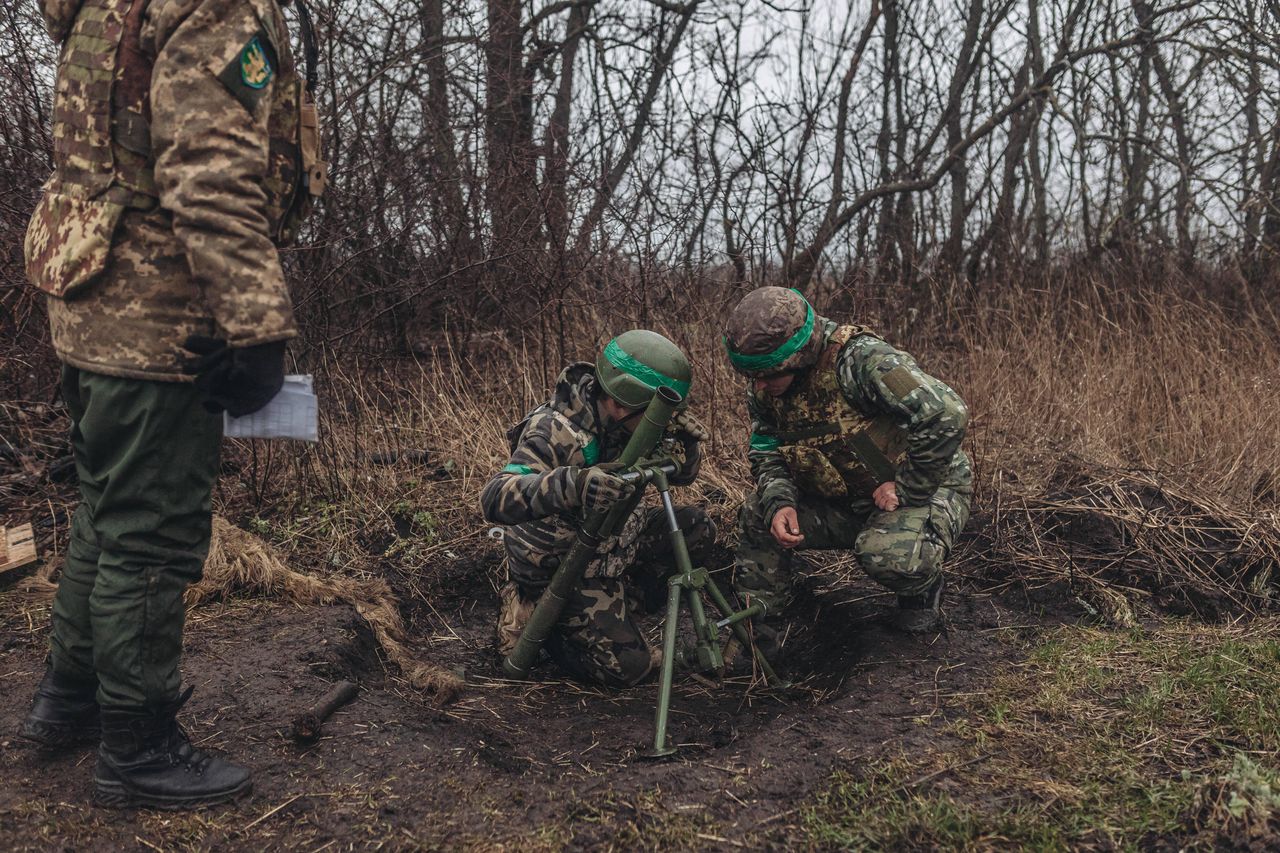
(597, 527)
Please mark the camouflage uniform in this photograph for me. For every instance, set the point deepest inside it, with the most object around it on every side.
(179, 163)
(858, 414)
(182, 137)
(596, 639)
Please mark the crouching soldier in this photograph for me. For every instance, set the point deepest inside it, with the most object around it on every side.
(852, 446)
(560, 472)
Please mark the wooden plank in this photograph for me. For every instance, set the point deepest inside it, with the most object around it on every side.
(17, 547)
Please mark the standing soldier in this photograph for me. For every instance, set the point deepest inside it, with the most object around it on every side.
(184, 151)
(852, 446)
(560, 472)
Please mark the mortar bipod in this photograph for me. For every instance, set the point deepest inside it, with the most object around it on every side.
(685, 590)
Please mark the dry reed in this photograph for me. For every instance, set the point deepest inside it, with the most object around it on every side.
(1125, 443)
(1139, 411)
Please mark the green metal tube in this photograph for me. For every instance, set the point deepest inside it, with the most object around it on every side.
(669, 629)
(701, 627)
(740, 631)
(597, 527)
(741, 616)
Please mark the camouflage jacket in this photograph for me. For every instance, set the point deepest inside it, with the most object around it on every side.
(930, 415)
(535, 495)
(182, 148)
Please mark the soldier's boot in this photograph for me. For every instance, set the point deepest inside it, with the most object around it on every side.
(146, 759)
(63, 713)
(769, 638)
(513, 615)
(921, 613)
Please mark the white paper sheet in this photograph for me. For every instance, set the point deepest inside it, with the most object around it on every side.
(292, 413)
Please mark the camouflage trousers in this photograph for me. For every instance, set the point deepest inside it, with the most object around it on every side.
(597, 640)
(901, 550)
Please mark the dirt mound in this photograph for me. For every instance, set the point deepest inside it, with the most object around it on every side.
(240, 563)
(1111, 541)
(1120, 538)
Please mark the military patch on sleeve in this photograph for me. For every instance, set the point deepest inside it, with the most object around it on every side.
(247, 75)
(901, 381)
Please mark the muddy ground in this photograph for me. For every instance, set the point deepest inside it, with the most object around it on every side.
(510, 764)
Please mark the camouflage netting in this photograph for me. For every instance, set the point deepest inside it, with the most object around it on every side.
(240, 562)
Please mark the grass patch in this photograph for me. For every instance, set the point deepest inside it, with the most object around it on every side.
(881, 808)
(1105, 738)
(646, 820)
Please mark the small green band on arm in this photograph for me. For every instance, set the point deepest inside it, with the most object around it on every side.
(767, 360)
(513, 468)
(591, 452)
(765, 443)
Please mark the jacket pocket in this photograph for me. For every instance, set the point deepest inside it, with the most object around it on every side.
(69, 242)
(813, 472)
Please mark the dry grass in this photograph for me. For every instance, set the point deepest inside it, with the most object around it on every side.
(1125, 445)
(1157, 382)
(1124, 440)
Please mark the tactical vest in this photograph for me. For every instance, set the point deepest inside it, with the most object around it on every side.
(832, 449)
(103, 163)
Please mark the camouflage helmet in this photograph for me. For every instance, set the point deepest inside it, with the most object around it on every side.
(772, 330)
(636, 363)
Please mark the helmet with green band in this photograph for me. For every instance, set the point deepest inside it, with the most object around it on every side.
(635, 364)
(772, 330)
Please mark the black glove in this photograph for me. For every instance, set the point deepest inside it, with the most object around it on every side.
(240, 380)
(599, 488)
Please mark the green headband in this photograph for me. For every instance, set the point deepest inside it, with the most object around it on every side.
(768, 360)
(641, 371)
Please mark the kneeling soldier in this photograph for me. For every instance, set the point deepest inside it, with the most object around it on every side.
(852, 446)
(559, 472)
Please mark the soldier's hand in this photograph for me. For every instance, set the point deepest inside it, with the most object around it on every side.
(683, 422)
(886, 497)
(599, 487)
(686, 452)
(686, 431)
(692, 462)
(239, 380)
(786, 527)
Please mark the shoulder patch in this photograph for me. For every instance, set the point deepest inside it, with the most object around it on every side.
(251, 70)
(901, 381)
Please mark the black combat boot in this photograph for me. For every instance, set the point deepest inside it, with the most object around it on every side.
(63, 713)
(921, 613)
(146, 759)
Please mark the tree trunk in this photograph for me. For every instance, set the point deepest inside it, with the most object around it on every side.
(511, 191)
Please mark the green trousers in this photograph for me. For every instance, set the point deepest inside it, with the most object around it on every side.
(147, 456)
(901, 550)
